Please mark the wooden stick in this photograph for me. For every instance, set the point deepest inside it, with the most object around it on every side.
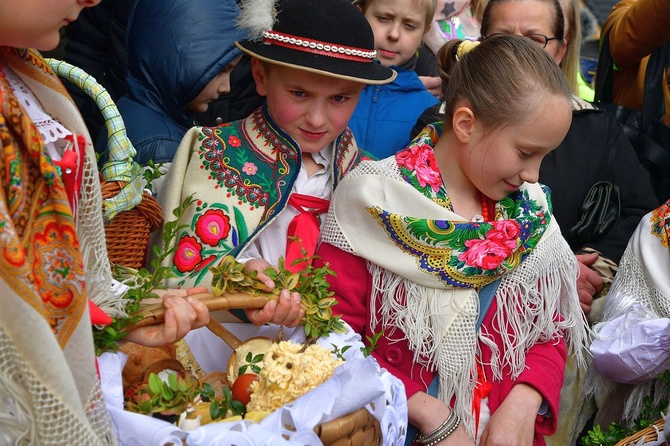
(228, 337)
(154, 314)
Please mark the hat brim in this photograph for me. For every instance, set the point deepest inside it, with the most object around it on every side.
(363, 72)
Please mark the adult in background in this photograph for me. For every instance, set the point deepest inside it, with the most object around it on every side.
(636, 28)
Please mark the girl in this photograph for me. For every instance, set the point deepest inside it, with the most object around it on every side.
(53, 258)
(415, 238)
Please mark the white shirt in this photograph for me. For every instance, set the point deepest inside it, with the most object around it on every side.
(53, 132)
(270, 244)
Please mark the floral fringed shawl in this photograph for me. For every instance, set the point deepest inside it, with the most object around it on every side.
(396, 214)
(49, 389)
(640, 292)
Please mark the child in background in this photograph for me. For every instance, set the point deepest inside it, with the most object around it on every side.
(54, 260)
(173, 75)
(276, 169)
(454, 231)
(385, 114)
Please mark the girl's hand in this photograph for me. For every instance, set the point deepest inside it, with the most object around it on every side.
(428, 413)
(182, 314)
(514, 421)
(286, 310)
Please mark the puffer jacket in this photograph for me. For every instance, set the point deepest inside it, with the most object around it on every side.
(175, 48)
(385, 114)
(637, 28)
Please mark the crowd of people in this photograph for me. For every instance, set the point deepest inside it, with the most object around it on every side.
(489, 221)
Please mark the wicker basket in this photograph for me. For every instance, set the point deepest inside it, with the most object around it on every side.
(127, 233)
(650, 433)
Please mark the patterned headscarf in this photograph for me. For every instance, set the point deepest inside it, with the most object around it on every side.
(48, 378)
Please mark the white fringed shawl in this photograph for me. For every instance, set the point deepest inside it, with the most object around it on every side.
(439, 321)
(641, 291)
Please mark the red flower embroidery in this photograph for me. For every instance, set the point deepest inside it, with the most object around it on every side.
(187, 256)
(234, 141)
(212, 226)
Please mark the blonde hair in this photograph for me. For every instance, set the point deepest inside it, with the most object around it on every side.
(503, 79)
(429, 5)
(573, 39)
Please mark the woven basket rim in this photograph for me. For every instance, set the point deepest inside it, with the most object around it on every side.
(649, 433)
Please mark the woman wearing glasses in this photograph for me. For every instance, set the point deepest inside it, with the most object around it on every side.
(594, 150)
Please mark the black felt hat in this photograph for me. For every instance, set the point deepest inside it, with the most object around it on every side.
(330, 37)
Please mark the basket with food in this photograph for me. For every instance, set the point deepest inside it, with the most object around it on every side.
(236, 383)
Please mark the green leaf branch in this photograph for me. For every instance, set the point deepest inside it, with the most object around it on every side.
(231, 276)
(141, 284)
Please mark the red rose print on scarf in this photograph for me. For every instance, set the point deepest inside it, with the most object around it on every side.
(420, 159)
(490, 252)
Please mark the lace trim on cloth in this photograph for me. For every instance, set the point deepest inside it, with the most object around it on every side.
(32, 415)
(51, 130)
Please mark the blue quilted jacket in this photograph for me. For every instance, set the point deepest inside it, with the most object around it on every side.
(385, 114)
(175, 48)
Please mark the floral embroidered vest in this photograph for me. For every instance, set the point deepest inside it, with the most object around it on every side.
(240, 175)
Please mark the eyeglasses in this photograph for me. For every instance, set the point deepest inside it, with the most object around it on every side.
(540, 39)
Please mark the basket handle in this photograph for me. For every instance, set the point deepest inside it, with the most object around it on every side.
(121, 165)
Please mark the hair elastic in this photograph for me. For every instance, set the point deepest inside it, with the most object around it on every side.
(465, 47)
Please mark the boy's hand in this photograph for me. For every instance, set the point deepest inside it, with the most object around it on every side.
(260, 265)
(286, 310)
(182, 314)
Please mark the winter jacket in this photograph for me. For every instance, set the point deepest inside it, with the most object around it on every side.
(637, 28)
(174, 48)
(385, 114)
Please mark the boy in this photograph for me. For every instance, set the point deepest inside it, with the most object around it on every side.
(384, 117)
(311, 60)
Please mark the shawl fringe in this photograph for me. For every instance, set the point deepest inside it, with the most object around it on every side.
(442, 337)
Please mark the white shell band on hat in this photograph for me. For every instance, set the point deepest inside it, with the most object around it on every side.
(318, 47)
